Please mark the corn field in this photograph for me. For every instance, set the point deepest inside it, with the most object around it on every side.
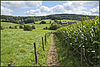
(83, 39)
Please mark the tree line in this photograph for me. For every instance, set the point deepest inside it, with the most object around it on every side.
(33, 19)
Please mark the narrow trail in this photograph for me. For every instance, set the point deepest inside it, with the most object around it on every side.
(52, 59)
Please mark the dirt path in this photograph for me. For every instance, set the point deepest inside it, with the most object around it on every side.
(52, 59)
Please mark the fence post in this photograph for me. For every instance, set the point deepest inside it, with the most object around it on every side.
(43, 44)
(45, 39)
(67, 48)
(81, 56)
(83, 63)
(35, 52)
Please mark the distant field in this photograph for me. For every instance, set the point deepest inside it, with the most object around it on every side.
(37, 26)
(47, 21)
(68, 20)
(7, 24)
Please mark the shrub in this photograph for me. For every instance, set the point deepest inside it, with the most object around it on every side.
(21, 27)
(15, 27)
(10, 27)
(54, 26)
(33, 27)
(45, 28)
(27, 28)
(1, 28)
(42, 22)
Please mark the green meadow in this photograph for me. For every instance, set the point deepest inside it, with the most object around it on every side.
(17, 45)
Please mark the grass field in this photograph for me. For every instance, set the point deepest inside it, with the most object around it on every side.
(17, 45)
(7, 24)
(47, 21)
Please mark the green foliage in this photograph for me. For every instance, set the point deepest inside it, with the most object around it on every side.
(42, 22)
(82, 34)
(20, 26)
(54, 27)
(29, 20)
(33, 19)
(46, 28)
(1, 28)
(10, 27)
(70, 61)
(33, 27)
(27, 28)
(15, 27)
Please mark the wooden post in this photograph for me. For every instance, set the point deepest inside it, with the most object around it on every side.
(83, 63)
(43, 44)
(45, 39)
(81, 56)
(35, 52)
(67, 48)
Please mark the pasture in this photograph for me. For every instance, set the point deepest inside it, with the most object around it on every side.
(17, 45)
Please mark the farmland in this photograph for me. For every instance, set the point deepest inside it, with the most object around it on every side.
(78, 44)
(17, 45)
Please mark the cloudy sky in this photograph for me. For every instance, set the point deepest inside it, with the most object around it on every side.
(41, 8)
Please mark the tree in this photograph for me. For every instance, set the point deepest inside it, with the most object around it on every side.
(54, 27)
(42, 22)
(21, 27)
(15, 27)
(33, 27)
(10, 27)
(27, 28)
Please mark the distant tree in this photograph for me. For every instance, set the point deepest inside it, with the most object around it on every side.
(10, 27)
(45, 28)
(1, 28)
(27, 28)
(54, 27)
(42, 22)
(33, 27)
(60, 22)
(50, 22)
(15, 27)
(21, 27)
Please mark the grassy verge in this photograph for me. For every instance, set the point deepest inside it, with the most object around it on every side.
(70, 61)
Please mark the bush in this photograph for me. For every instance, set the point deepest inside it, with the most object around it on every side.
(10, 27)
(15, 27)
(27, 28)
(1, 28)
(45, 28)
(21, 27)
(42, 22)
(54, 26)
(33, 27)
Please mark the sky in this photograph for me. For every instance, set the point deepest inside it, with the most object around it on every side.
(43, 8)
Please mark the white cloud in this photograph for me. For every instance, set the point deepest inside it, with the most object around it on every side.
(69, 7)
(94, 10)
(6, 11)
(58, 9)
(45, 9)
(33, 12)
(21, 4)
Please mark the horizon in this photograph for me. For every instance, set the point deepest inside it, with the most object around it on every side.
(44, 8)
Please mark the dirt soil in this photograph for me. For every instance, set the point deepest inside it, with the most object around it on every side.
(52, 59)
